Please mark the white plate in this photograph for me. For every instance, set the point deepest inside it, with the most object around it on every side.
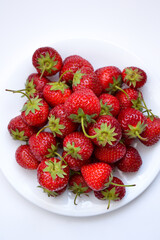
(99, 53)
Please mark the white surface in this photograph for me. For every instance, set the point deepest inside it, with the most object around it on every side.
(29, 24)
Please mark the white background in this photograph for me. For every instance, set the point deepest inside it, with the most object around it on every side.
(27, 25)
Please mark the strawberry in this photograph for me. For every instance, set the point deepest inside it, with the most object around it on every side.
(19, 130)
(47, 61)
(58, 122)
(112, 193)
(152, 131)
(35, 84)
(25, 158)
(77, 150)
(86, 78)
(134, 77)
(53, 174)
(133, 122)
(43, 145)
(70, 65)
(109, 105)
(53, 193)
(110, 154)
(130, 97)
(106, 131)
(82, 106)
(78, 186)
(110, 78)
(131, 162)
(96, 175)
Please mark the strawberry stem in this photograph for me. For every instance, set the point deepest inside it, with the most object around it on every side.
(139, 136)
(20, 91)
(120, 89)
(41, 130)
(119, 185)
(62, 158)
(63, 75)
(84, 131)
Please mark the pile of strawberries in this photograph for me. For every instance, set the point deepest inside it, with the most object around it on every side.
(91, 117)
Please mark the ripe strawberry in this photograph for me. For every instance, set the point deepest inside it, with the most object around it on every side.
(19, 130)
(59, 123)
(152, 131)
(78, 186)
(133, 122)
(47, 61)
(70, 66)
(25, 158)
(77, 150)
(53, 193)
(110, 78)
(112, 193)
(35, 84)
(82, 106)
(131, 162)
(109, 105)
(43, 145)
(131, 98)
(53, 174)
(106, 131)
(110, 154)
(35, 112)
(134, 77)
(96, 175)
(86, 78)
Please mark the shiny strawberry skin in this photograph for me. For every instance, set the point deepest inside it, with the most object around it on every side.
(39, 117)
(110, 154)
(45, 179)
(39, 144)
(88, 79)
(106, 76)
(96, 175)
(111, 101)
(141, 73)
(85, 152)
(25, 158)
(109, 121)
(72, 64)
(59, 112)
(55, 97)
(131, 162)
(53, 54)
(86, 100)
(152, 132)
(24, 131)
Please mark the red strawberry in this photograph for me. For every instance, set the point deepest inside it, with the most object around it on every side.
(47, 61)
(25, 158)
(110, 78)
(96, 175)
(131, 162)
(53, 174)
(106, 131)
(59, 123)
(82, 106)
(43, 145)
(109, 105)
(35, 84)
(70, 65)
(134, 77)
(110, 154)
(53, 193)
(78, 186)
(35, 112)
(77, 150)
(19, 130)
(133, 122)
(86, 78)
(130, 97)
(152, 131)
(112, 193)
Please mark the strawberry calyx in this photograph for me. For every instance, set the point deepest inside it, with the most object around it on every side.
(137, 103)
(30, 88)
(78, 190)
(110, 195)
(135, 131)
(18, 135)
(72, 150)
(77, 77)
(52, 151)
(116, 85)
(105, 109)
(133, 76)
(58, 86)
(46, 63)
(48, 192)
(55, 168)
(32, 105)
